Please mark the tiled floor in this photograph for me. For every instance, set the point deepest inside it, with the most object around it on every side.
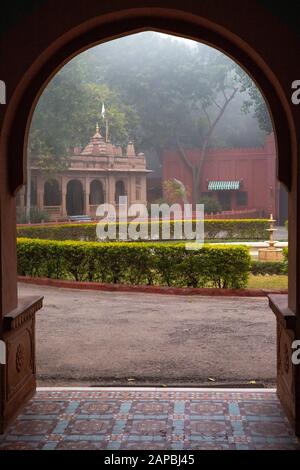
(139, 418)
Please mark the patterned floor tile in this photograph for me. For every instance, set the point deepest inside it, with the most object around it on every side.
(20, 445)
(153, 419)
(32, 427)
(95, 408)
(81, 445)
(89, 426)
(207, 408)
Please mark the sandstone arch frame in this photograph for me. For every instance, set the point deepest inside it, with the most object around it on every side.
(239, 30)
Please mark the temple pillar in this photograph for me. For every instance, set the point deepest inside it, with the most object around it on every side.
(144, 189)
(111, 189)
(22, 197)
(87, 196)
(105, 189)
(64, 182)
(128, 183)
(40, 193)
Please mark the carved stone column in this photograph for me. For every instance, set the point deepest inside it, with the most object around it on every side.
(144, 189)
(64, 196)
(22, 197)
(19, 371)
(87, 196)
(131, 192)
(286, 334)
(111, 189)
(40, 193)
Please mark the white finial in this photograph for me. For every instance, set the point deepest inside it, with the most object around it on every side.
(103, 111)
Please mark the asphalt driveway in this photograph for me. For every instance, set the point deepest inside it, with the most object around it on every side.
(106, 338)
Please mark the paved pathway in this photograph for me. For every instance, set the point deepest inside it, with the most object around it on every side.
(105, 338)
(151, 419)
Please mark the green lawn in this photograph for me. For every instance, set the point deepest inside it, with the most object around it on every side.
(268, 282)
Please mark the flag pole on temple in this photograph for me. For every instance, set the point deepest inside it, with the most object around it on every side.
(103, 115)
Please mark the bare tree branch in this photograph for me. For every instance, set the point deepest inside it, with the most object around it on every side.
(183, 154)
(207, 116)
(196, 169)
(224, 94)
(213, 125)
(217, 104)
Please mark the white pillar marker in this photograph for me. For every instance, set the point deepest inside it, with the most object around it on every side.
(2, 352)
(2, 92)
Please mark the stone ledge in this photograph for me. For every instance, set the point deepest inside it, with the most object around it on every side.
(285, 316)
(27, 307)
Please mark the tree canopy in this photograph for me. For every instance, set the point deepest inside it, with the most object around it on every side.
(157, 90)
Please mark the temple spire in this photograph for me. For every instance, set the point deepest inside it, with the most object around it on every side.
(97, 128)
(130, 149)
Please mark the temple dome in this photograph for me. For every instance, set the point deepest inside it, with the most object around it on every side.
(96, 146)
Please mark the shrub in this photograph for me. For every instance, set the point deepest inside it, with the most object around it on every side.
(64, 231)
(36, 216)
(174, 191)
(135, 263)
(286, 260)
(267, 267)
(241, 229)
(211, 205)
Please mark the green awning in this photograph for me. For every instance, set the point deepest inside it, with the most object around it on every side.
(223, 185)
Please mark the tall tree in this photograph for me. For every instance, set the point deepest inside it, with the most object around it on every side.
(66, 116)
(162, 77)
(217, 87)
(160, 91)
(255, 104)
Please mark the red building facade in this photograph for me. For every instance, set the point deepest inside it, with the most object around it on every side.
(242, 179)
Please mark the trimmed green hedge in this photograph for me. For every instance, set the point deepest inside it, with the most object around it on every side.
(268, 267)
(286, 260)
(135, 263)
(243, 229)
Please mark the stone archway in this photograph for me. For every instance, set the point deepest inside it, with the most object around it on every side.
(96, 193)
(52, 195)
(75, 200)
(120, 190)
(28, 73)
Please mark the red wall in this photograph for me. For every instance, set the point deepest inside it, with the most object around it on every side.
(255, 167)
